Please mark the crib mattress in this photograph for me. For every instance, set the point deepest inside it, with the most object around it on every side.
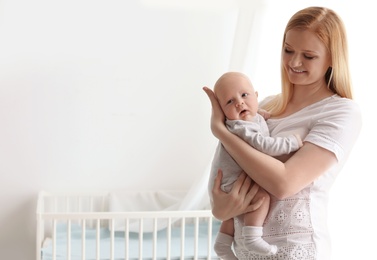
(120, 247)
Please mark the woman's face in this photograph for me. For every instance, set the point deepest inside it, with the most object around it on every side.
(305, 58)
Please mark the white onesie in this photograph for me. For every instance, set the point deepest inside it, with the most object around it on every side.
(256, 134)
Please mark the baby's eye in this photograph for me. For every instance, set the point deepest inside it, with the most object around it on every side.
(230, 101)
(244, 95)
(288, 50)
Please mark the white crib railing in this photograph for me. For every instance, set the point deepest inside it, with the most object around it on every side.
(89, 210)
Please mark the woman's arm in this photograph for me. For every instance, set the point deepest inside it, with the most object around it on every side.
(281, 179)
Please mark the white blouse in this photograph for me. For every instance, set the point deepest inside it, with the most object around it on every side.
(297, 225)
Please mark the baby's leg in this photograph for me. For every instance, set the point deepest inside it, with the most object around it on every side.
(224, 240)
(253, 229)
(257, 217)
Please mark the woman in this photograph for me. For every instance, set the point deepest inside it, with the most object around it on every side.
(316, 102)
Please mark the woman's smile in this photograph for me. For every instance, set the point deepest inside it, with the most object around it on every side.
(297, 71)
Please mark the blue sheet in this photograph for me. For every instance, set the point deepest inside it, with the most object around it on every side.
(133, 251)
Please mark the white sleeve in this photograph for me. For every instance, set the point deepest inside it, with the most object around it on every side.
(257, 135)
(337, 127)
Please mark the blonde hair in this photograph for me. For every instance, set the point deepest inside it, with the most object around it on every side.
(329, 28)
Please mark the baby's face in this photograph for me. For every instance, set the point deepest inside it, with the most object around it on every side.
(237, 98)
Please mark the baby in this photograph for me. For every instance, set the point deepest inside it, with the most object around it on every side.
(239, 103)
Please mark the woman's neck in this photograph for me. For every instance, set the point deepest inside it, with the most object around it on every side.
(304, 96)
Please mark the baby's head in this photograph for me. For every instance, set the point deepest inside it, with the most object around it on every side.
(236, 96)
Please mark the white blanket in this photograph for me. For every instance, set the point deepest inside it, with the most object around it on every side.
(195, 198)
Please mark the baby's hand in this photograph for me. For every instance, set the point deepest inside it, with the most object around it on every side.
(266, 115)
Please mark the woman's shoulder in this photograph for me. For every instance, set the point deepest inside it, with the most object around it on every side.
(339, 104)
(335, 125)
(336, 99)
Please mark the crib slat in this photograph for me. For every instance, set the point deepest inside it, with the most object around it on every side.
(112, 234)
(209, 250)
(98, 245)
(196, 239)
(183, 238)
(155, 239)
(169, 238)
(83, 256)
(69, 240)
(54, 239)
(141, 224)
(127, 239)
(40, 234)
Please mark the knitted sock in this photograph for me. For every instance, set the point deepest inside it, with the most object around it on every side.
(223, 246)
(253, 241)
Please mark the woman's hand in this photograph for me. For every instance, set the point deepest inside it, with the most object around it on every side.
(266, 115)
(218, 117)
(238, 201)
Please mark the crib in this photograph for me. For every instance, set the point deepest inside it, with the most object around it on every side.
(84, 226)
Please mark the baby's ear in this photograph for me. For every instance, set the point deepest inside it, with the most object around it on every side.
(256, 93)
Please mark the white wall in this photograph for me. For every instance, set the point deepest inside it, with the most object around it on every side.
(107, 95)
(103, 95)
